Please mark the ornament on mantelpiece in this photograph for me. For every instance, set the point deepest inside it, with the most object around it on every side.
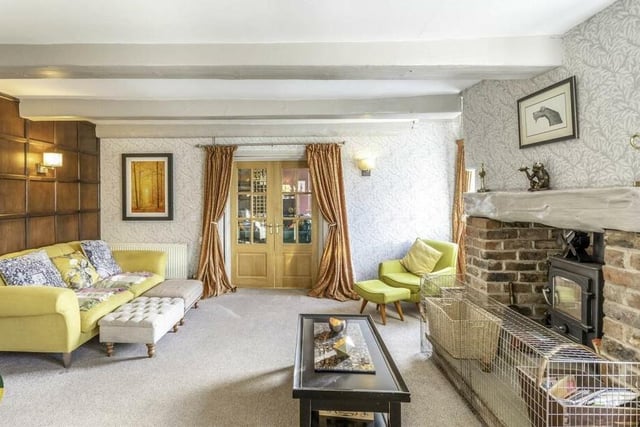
(538, 177)
(482, 173)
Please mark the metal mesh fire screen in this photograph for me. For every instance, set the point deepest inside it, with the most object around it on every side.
(515, 371)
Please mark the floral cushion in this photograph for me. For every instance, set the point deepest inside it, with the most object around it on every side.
(100, 257)
(32, 269)
(122, 280)
(90, 297)
(76, 270)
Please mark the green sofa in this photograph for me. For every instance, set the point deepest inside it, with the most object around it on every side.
(393, 273)
(49, 320)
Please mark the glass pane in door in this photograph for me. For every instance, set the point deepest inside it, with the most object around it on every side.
(304, 231)
(244, 180)
(289, 206)
(244, 232)
(244, 206)
(259, 180)
(259, 232)
(304, 205)
(288, 231)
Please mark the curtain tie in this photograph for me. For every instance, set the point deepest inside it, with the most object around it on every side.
(333, 224)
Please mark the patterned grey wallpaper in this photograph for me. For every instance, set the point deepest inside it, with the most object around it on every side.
(407, 195)
(604, 55)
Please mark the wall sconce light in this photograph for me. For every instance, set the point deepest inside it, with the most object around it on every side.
(49, 160)
(366, 165)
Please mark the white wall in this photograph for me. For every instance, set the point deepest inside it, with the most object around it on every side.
(604, 55)
(407, 195)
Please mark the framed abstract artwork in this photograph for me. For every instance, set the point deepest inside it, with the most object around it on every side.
(549, 115)
(147, 187)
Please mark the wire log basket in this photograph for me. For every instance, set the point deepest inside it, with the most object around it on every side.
(463, 329)
(520, 371)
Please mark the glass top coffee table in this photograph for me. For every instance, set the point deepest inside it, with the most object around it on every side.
(366, 381)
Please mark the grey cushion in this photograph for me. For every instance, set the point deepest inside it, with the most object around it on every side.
(100, 257)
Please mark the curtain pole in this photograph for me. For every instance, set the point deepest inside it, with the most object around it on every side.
(263, 144)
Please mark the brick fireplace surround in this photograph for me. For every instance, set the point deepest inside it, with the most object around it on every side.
(500, 251)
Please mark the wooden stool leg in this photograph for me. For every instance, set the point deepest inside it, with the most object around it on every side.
(383, 314)
(399, 310)
(109, 349)
(364, 304)
(151, 350)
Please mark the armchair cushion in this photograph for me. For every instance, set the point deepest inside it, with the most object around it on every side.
(421, 258)
(403, 280)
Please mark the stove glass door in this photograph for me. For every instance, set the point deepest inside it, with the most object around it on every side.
(567, 297)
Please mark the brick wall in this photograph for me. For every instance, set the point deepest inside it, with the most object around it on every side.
(621, 327)
(502, 252)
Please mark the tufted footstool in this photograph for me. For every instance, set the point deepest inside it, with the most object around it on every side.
(190, 290)
(143, 320)
(380, 293)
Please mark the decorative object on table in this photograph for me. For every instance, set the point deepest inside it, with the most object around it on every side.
(344, 346)
(337, 325)
(343, 352)
(482, 173)
(147, 187)
(548, 115)
(538, 177)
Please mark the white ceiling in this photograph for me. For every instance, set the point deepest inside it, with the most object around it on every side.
(126, 65)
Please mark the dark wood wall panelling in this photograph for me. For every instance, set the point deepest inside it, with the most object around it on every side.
(59, 206)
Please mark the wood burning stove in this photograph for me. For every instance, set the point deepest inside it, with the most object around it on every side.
(575, 296)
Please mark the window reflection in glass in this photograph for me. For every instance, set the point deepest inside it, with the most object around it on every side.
(302, 181)
(288, 231)
(244, 180)
(288, 206)
(244, 232)
(244, 205)
(304, 205)
(304, 231)
(259, 232)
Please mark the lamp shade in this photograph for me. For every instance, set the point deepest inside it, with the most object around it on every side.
(366, 164)
(52, 160)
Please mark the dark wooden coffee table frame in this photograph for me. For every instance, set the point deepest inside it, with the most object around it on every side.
(381, 392)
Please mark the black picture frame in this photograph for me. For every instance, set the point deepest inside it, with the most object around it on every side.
(549, 115)
(147, 187)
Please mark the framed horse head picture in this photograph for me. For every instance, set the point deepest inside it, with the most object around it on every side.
(549, 115)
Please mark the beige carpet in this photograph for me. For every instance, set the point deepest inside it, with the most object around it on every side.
(231, 364)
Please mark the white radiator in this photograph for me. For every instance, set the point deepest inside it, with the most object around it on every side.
(177, 257)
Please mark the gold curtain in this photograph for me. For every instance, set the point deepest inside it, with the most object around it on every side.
(335, 273)
(458, 223)
(218, 169)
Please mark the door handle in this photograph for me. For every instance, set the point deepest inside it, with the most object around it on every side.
(277, 228)
(270, 228)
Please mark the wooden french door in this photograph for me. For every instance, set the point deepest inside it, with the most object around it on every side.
(273, 225)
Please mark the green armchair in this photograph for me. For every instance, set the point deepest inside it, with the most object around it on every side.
(393, 273)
